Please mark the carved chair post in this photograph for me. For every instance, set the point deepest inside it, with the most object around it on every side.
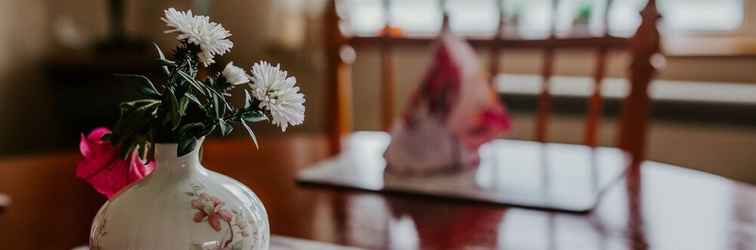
(339, 56)
(644, 47)
(387, 70)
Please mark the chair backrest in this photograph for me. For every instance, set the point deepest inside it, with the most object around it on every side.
(642, 47)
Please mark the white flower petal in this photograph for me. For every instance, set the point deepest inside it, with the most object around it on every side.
(235, 75)
(278, 94)
(211, 37)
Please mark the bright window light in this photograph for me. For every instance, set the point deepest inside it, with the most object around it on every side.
(533, 18)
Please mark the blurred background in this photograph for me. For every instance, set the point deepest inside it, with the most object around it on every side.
(57, 59)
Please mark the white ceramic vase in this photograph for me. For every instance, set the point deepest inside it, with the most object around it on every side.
(182, 206)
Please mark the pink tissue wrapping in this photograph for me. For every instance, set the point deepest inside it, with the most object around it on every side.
(104, 169)
(452, 113)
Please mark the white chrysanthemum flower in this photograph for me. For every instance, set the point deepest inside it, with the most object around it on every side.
(278, 94)
(235, 75)
(211, 37)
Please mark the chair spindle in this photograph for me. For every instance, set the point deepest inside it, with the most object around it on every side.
(339, 56)
(595, 103)
(387, 70)
(495, 61)
(547, 71)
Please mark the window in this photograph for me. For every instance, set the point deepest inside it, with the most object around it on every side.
(532, 18)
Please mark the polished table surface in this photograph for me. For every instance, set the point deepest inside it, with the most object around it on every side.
(550, 176)
(662, 207)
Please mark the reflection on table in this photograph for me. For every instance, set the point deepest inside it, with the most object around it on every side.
(661, 207)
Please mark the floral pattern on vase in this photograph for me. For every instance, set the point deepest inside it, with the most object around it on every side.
(211, 209)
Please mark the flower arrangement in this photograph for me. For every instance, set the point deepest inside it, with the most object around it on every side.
(183, 107)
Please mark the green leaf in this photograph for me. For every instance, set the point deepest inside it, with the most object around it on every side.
(187, 77)
(216, 106)
(199, 88)
(187, 129)
(193, 99)
(149, 89)
(190, 66)
(183, 104)
(160, 51)
(163, 59)
(166, 63)
(132, 129)
(253, 116)
(212, 90)
(225, 128)
(173, 117)
(193, 83)
(213, 93)
(139, 103)
(251, 134)
(186, 145)
(219, 82)
(247, 100)
(142, 151)
(210, 81)
(210, 129)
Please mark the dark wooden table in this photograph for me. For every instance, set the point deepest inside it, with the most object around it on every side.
(663, 207)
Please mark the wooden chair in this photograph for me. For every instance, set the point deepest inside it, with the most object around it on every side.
(642, 47)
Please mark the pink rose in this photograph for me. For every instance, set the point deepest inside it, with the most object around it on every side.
(104, 169)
